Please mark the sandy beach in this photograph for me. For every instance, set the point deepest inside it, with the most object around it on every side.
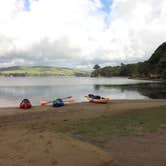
(26, 137)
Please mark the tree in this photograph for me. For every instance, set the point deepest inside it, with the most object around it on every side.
(164, 74)
(96, 67)
(122, 64)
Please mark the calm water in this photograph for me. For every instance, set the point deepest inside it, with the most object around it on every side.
(13, 90)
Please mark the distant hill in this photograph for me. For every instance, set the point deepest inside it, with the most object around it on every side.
(157, 62)
(42, 71)
(159, 55)
(155, 67)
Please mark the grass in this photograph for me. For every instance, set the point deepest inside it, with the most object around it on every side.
(102, 129)
(42, 71)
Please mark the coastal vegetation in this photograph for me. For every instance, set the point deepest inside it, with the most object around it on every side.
(42, 71)
(154, 67)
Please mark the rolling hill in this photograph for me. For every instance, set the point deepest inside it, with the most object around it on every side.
(42, 71)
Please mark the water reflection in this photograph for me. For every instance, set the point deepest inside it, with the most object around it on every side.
(97, 87)
(13, 90)
(150, 90)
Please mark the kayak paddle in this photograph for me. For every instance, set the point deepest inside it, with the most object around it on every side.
(44, 102)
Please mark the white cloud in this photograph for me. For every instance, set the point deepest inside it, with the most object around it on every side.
(78, 33)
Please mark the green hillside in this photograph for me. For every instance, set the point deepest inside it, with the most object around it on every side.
(42, 71)
(155, 67)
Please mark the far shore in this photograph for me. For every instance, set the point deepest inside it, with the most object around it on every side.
(129, 77)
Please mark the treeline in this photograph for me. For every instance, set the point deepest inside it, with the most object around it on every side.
(155, 67)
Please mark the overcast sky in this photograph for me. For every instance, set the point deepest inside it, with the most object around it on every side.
(80, 33)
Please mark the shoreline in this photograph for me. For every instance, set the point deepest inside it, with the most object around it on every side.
(123, 104)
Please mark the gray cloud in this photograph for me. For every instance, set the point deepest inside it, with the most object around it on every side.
(82, 35)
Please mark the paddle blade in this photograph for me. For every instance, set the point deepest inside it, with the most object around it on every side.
(67, 97)
(43, 102)
(70, 101)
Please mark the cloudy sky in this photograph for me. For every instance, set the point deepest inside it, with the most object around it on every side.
(80, 33)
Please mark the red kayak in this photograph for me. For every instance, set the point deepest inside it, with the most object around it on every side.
(25, 104)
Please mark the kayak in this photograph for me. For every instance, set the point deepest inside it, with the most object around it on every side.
(101, 101)
(25, 104)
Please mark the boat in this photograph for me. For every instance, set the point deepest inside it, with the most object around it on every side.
(100, 101)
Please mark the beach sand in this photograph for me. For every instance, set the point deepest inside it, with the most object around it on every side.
(26, 141)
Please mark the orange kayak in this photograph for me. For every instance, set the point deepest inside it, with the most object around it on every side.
(101, 101)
